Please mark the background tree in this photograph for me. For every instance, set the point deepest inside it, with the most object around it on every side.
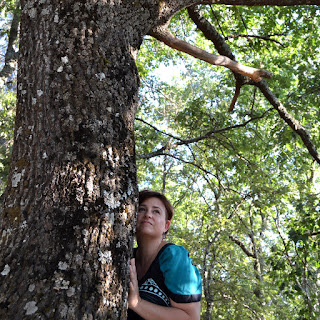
(9, 35)
(72, 188)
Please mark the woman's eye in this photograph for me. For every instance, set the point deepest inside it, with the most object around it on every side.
(156, 211)
(141, 210)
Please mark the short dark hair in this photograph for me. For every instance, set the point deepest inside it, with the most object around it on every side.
(146, 194)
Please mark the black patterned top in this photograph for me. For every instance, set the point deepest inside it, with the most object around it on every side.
(170, 276)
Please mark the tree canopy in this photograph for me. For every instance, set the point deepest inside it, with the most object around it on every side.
(244, 185)
(245, 182)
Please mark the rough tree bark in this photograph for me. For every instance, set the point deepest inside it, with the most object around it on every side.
(68, 212)
(66, 224)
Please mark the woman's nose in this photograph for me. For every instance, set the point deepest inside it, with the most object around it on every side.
(148, 213)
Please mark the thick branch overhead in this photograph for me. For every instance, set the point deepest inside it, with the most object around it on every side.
(163, 34)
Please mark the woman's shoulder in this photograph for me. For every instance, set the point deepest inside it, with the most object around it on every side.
(173, 251)
(174, 257)
(181, 276)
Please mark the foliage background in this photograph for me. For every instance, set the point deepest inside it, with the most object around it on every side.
(247, 198)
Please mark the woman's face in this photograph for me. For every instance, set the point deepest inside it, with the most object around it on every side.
(152, 218)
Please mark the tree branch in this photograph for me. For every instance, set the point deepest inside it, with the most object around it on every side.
(235, 96)
(160, 131)
(162, 33)
(187, 162)
(210, 32)
(290, 120)
(208, 135)
(243, 247)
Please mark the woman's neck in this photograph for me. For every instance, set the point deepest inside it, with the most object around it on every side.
(146, 253)
(149, 247)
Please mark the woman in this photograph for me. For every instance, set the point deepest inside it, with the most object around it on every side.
(164, 284)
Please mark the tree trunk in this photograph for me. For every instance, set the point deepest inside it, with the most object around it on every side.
(68, 214)
(208, 313)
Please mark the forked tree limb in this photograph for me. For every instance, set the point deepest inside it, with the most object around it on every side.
(163, 34)
(223, 48)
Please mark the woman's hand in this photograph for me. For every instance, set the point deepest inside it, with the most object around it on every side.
(134, 297)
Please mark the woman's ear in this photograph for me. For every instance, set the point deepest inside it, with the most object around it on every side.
(168, 222)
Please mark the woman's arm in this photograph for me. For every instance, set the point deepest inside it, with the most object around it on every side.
(151, 311)
(178, 311)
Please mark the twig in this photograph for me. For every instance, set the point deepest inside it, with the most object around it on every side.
(266, 38)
